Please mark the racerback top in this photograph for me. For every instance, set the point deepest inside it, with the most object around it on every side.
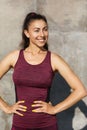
(32, 83)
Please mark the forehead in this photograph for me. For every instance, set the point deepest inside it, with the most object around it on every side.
(37, 23)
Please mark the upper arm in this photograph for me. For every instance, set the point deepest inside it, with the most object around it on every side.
(58, 64)
(8, 62)
(67, 73)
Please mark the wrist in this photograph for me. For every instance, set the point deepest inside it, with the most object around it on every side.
(7, 109)
(3, 105)
(55, 110)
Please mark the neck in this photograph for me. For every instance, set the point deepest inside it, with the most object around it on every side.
(33, 50)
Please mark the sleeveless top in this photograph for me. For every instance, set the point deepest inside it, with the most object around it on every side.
(32, 83)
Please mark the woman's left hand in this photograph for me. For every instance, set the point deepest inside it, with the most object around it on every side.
(43, 107)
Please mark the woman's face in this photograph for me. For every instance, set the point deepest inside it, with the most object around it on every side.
(37, 33)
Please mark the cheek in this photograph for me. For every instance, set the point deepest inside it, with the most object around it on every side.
(32, 35)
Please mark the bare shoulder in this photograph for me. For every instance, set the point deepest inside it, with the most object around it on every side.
(13, 54)
(8, 62)
(57, 62)
(56, 58)
(14, 57)
(55, 55)
(10, 58)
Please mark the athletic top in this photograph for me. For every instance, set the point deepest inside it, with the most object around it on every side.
(32, 83)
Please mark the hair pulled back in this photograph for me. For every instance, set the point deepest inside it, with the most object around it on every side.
(28, 19)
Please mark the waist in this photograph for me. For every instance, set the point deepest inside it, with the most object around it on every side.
(29, 95)
(34, 120)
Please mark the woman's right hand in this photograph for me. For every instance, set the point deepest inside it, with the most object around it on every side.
(16, 108)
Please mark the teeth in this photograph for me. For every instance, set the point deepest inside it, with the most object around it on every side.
(41, 40)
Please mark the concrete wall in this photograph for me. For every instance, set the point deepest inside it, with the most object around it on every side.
(68, 37)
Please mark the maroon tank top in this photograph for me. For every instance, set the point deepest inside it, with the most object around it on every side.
(32, 83)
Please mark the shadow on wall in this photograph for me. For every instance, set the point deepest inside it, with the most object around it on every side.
(59, 91)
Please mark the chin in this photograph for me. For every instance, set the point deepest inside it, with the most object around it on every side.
(41, 45)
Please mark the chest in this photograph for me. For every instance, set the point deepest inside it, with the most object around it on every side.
(33, 76)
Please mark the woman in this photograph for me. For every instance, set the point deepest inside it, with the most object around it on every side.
(34, 67)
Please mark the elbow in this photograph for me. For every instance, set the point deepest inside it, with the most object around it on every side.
(81, 93)
(84, 93)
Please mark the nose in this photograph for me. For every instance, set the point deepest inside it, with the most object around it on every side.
(41, 33)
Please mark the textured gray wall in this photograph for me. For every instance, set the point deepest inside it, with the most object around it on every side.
(68, 37)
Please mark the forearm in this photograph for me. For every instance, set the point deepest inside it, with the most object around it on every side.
(3, 105)
(72, 99)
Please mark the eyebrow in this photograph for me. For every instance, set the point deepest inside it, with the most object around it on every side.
(39, 28)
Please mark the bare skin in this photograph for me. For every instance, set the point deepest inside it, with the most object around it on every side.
(34, 54)
(79, 91)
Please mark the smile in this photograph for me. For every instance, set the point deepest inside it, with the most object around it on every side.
(41, 40)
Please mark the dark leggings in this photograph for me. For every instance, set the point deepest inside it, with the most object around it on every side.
(53, 127)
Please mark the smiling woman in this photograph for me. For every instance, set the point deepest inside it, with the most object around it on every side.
(38, 27)
(37, 32)
(34, 68)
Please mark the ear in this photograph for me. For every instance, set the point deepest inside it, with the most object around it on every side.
(26, 33)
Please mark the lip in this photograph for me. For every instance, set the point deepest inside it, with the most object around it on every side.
(41, 40)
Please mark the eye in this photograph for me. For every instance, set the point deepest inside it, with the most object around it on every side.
(37, 30)
(46, 29)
